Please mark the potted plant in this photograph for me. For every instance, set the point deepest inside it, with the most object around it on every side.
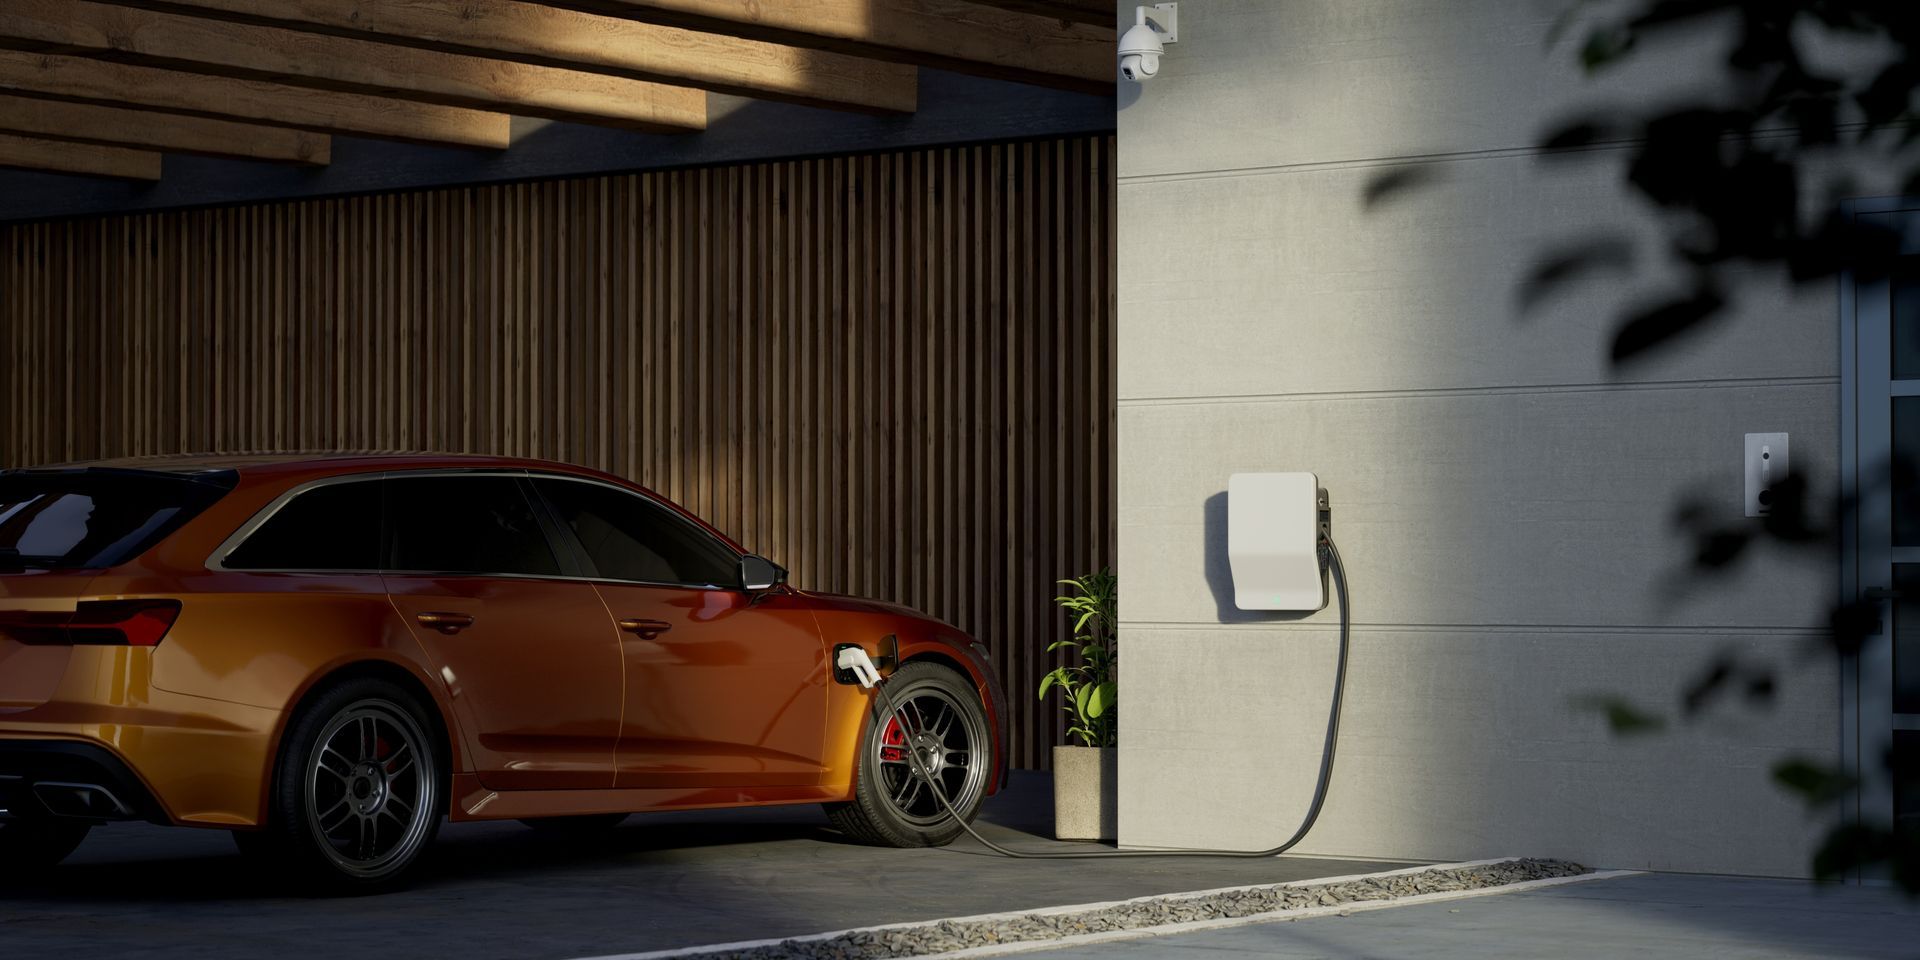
(1085, 774)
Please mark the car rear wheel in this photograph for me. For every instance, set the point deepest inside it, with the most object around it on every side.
(893, 805)
(38, 842)
(358, 793)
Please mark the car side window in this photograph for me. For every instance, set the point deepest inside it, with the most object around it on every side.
(628, 537)
(335, 526)
(481, 524)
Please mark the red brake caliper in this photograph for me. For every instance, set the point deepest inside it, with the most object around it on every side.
(893, 743)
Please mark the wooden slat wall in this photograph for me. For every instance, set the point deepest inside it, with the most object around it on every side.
(892, 373)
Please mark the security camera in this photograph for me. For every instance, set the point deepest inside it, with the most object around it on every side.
(1140, 50)
(1144, 42)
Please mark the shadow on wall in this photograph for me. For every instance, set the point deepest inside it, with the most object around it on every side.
(1220, 572)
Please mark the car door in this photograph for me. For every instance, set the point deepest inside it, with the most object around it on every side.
(530, 662)
(723, 688)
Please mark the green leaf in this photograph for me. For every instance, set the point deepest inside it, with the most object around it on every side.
(1817, 784)
(1103, 697)
(1604, 47)
(1087, 682)
(1855, 847)
(1567, 18)
(1623, 718)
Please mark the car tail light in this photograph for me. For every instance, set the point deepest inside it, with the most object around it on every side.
(133, 623)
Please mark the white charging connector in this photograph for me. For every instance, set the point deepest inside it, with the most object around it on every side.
(855, 659)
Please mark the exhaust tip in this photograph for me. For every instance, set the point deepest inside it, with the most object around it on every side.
(87, 800)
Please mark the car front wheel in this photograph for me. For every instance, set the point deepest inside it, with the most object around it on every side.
(894, 803)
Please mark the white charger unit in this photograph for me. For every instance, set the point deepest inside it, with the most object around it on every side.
(1273, 541)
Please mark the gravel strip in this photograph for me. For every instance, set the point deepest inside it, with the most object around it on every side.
(948, 935)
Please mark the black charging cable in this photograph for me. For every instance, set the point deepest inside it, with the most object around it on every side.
(1332, 556)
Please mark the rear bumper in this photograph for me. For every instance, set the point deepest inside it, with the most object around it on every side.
(198, 761)
(73, 780)
(192, 769)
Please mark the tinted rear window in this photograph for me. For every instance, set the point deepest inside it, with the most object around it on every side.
(89, 519)
(335, 526)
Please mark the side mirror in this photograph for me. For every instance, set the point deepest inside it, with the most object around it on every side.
(758, 573)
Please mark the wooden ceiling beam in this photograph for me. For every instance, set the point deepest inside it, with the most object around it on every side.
(1099, 13)
(30, 153)
(948, 34)
(172, 133)
(322, 111)
(325, 62)
(541, 35)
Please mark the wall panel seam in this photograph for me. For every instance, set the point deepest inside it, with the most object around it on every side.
(1501, 391)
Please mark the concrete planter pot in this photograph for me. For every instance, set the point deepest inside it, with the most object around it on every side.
(1085, 793)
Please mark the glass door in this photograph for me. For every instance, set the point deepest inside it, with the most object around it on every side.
(1880, 470)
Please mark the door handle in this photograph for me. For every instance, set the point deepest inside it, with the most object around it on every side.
(448, 623)
(646, 629)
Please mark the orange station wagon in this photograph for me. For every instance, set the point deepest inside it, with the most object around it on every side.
(327, 655)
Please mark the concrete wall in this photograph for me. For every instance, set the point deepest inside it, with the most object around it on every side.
(1503, 497)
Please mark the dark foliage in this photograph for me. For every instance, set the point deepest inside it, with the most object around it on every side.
(1395, 182)
(1596, 256)
(1731, 181)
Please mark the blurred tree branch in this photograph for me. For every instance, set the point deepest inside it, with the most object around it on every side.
(1749, 177)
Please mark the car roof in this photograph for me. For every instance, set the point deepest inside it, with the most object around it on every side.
(306, 462)
(288, 468)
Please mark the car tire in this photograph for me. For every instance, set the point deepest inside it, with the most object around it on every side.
(27, 844)
(576, 827)
(358, 793)
(891, 805)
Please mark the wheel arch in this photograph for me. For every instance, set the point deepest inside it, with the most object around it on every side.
(990, 698)
(933, 654)
(397, 672)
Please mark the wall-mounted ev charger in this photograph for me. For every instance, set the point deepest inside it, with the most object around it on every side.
(1275, 525)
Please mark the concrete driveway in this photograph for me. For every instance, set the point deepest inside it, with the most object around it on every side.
(499, 890)
(1656, 916)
